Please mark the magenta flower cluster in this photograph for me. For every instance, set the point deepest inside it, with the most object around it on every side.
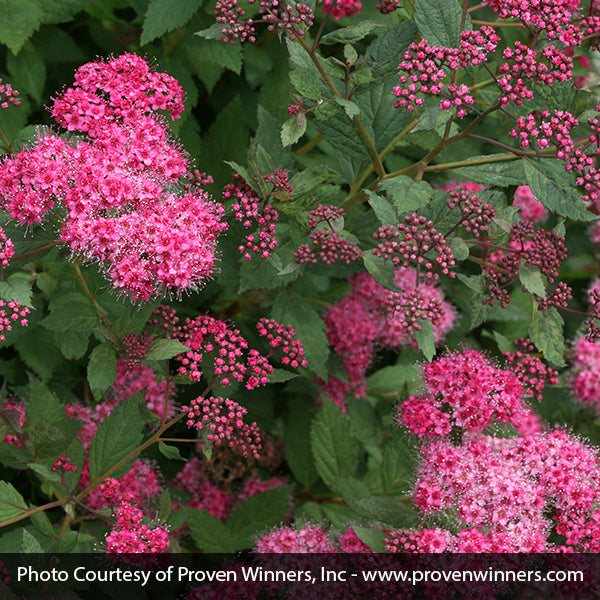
(117, 184)
(341, 8)
(221, 420)
(360, 325)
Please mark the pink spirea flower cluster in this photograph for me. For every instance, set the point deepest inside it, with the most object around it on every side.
(525, 68)
(252, 211)
(63, 463)
(278, 15)
(130, 534)
(531, 208)
(8, 95)
(12, 313)
(342, 8)
(7, 250)
(415, 241)
(425, 68)
(220, 420)
(462, 389)
(555, 17)
(116, 183)
(309, 538)
(141, 484)
(359, 325)
(503, 491)
(283, 338)
(207, 337)
(387, 6)
(585, 379)
(142, 378)
(327, 245)
(544, 129)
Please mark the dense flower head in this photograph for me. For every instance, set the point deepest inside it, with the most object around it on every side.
(585, 378)
(544, 129)
(308, 538)
(505, 490)
(531, 208)
(141, 484)
(159, 395)
(361, 323)
(463, 389)
(12, 313)
(220, 420)
(341, 8)
(531, 371)
(130, 534)
(475, 215)
(116, 183)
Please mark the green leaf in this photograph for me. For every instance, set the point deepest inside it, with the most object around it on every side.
(352, 33)
(13, 456)
(162, 349)
(59, 11)
(291, 308)
(391, 380)
(425, 339)
(501, 174)
(258, 513)
(16, 288)
(281, 376)
(407, 194)
(546, 332)
(222, 54)
(552, 188)
(384, 211)
(165, 15)
(42, 523)
(381, 270)
(459, 249)
(102, 369)
(209, 533)
(12, 504)
(293, 129)
(133, 319)
(30, 545)
(504, 344)
(45, 472)
(44, 405)
(170, 452)
(397, 467)
(350, 489)
(432, 117)
(333, 445)
(350, 108)
(371, 537)
(531, 278)
(18, 20)
(72, 344)
(390, 511)
(439, 21)
(386, 51)
(72, 312)
(118, 435)
(29, 69)
(296, 441)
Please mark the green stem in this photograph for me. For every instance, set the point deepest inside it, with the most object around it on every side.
(101, 312)
(28, 513)
(37, 250)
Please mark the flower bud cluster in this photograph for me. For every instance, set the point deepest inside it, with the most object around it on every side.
(7, 250)
(64, 464)
(426, 66)
(409, 243)
(252, 211)
(8, 95)
(386, 7)
(293, 17)
(475, 215)
(283, 337)
(545, 130)
(327, 247)
(222, 421)
(11, 313)
(341, 8)
(525, 68)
